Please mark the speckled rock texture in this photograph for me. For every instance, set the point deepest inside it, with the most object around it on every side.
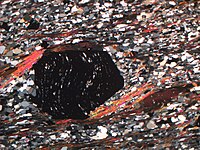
(155, 45)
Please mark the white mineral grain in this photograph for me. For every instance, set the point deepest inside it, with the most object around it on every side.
(64, 148)
(8, 60)
(193, 107)
(14, 62)
(74, 9)
(114, 134)
(26, 115)
(76, 41)
(84, 1)
(101, 134)
(196, 70)
(123, 3)
(40, 1)
(172, 64)
(57, 42)
(23, 122)
(172, 3)
(141, 40)
(53, 137)
(2, 49)
(143, 15)
(174, 119)
(21, 111)
(141, 79)
(181, 118)
(30, 82)
(17, 106)
(110, 49)
(190, 59)
(162, 63)
(196, 89)
(38, 48)
(108, 4)
(151, 125)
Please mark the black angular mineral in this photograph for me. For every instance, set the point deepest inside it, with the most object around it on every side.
(4, 25)
(34, 24)
(72, 83)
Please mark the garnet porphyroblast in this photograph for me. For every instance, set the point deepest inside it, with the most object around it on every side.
(73, 82)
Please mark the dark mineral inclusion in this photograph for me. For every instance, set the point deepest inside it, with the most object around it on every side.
(72, 83)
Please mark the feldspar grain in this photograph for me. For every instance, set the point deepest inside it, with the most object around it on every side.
(2, 49)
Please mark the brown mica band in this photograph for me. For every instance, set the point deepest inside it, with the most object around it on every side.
(148, 99)
(81, 46)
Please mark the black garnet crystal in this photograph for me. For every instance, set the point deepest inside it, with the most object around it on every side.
(69, 84)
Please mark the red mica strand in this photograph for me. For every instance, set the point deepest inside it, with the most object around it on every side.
(115, 105)
(65, 121)
(22, 67)
(151, 100)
